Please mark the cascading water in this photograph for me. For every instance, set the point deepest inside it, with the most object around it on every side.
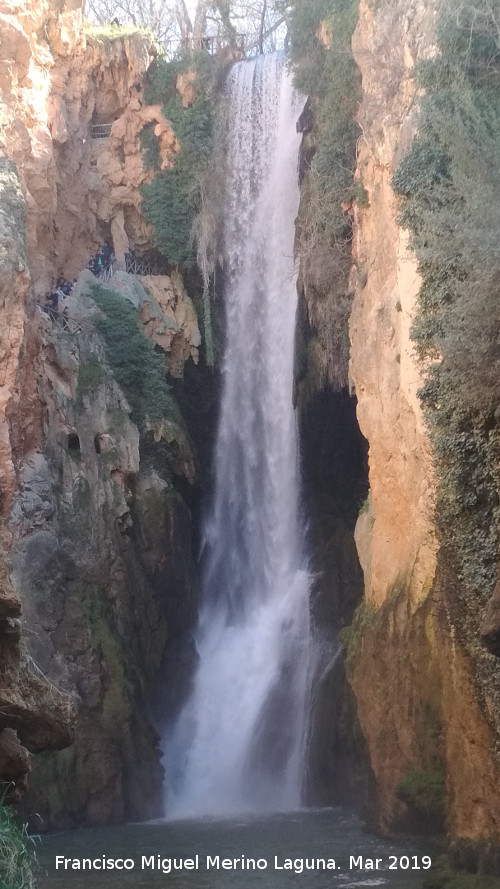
(239, 742)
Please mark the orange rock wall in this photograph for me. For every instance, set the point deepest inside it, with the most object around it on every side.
(56, 80)
(418, 703)
(395, 536)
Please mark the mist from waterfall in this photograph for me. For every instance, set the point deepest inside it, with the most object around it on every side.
(239, 742)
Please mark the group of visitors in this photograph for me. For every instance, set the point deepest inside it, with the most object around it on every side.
(102, 260)
(62, 289)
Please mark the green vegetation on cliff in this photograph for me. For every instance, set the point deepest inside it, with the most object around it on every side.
(149, 147)
(16, 856)
(321, 32)
(451, 205)
(173, 198)
(90, 376)
(136, 367)
(182, 203)
(424, 793)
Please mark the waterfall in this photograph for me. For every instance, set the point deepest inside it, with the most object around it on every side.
(239, 742)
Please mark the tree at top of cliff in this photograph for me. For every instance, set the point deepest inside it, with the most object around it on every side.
(180, 21)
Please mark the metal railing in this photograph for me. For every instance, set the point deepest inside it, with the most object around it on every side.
(144, 267)
(106, 274)
(134, 266)
(63, 321)
(100, 130)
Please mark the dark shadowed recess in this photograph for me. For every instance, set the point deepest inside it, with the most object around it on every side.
(334, 456)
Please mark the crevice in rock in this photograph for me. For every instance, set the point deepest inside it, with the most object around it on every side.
(335, 485)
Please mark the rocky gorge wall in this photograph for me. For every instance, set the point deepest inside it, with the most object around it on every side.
(424, 715)
(35, 715)
(96, 538)
(101, 553)
(58, 81)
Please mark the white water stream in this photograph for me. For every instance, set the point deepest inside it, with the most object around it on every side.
(239, 742)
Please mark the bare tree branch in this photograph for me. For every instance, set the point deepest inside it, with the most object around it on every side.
(258, 20)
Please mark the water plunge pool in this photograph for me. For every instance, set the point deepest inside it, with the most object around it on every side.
(306, 836)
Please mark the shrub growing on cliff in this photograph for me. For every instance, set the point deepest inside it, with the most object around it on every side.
(325, 70)
(330, 76)
(423, 792)
(16, 854)
(149, 147)
(451, 205)
(172, 199)
(137, 368)
(89, 377)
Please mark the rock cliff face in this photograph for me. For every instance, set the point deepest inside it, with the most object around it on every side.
(418, 703)
(70, 117)
(34, 714)
(101, 551)
(96, 540)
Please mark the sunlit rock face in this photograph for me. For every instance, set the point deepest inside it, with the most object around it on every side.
(383, 366)
(417, 702)
(57, 83)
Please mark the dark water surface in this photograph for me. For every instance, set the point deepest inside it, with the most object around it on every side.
(326, 834)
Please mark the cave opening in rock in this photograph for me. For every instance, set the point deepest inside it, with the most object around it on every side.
(73, 443)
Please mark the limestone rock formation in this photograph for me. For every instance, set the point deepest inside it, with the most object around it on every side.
(34, 714)
(418, 702)
(96, 542)
(96, 537)
(383, 366)
(177, 334)
(70, 116)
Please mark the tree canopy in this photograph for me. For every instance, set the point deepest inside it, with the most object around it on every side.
(176, 22)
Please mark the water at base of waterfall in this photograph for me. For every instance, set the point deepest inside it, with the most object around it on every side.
(327, 834)
(239, 742)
